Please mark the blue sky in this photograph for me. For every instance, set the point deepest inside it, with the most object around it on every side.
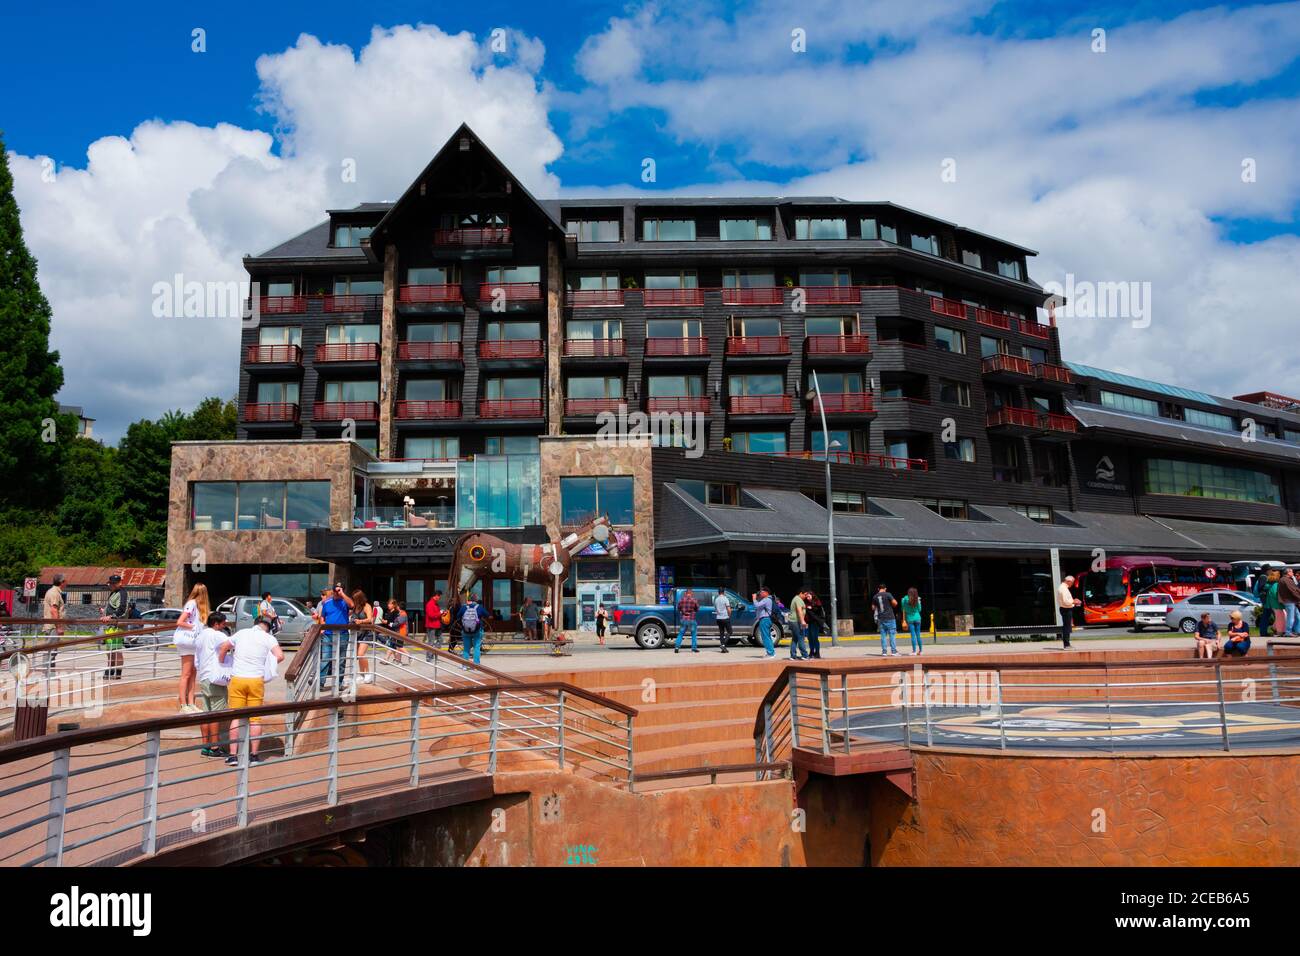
(1121, 166)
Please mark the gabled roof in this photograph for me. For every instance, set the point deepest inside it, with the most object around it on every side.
(96, 577)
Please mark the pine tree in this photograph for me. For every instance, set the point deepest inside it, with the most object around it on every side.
(30, 375)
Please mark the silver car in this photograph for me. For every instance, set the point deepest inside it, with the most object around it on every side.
(1219, 604)
(294, 618)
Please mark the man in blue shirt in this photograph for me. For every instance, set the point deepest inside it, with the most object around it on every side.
(763, 611)
(335, 608)
(470, 615)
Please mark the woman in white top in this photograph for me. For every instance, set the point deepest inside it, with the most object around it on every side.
(188, 626)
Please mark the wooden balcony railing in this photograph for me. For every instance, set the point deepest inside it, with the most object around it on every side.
(353, 352)
(511, 291)
(1008, 364)
(510, 408)
(677, 403)
(430, 352)
(1019, 417)
(758, 345)
(511, 349)
(843, 403)
(417, 294)
(760, 404)
(997, 320)
(950, 307)
(1054, 422)
(472, 236)
(595, 348)
(428, 409)
(1034, 328)
(658, 297)
(282, 304)
(1054, 373)
(592, 298)
(271, 412)
(274, 355)
(338, 411)
(353, 303)
(579, 407)
(832, 294)
(763, 295)
(837, 345)
(660, 347)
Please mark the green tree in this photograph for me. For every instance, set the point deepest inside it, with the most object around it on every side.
(214, 419)
(30, 375)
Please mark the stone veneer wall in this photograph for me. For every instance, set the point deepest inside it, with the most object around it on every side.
(583, 456)
(252, 461)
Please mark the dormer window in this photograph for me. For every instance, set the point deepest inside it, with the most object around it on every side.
(346, 237)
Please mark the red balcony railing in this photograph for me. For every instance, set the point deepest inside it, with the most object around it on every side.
(430, 351)
(868, 459)
(832, 294)
(677, 403)
(997, 320)
(274, 355)
(1010, 364)
(429, 294)
(512, 291)
(590, 298)
(472, 236)
(1031, 327)
(842, 403)
(758, 345)
(1021, 417)
(1054, 422)
(591, 406)
(282, 304)
(948, 307)
(338, 411)
(837, 345)
(1054, 373)
(654, 297)
(352, 303)
(594, 348)
(354, 352)
(510, 408)
(760, 404)
(676, 346)
(271, 412)
(763, 295)
(510, 349)
(428, 409)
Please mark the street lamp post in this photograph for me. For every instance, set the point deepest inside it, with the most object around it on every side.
(830, 512)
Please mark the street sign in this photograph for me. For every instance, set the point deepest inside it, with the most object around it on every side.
(29, 587)
(1211, 573)
(929, 556)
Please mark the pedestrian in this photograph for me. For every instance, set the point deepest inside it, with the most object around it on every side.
(1238, 642)
(214, 679)
(189, 625)
(1066, 602)
(1273, 603)
(763, 613)
(252, 649)
(266, 608)
(544, 622)
(1288, 593)
(529, 614)
(816, 624)
(687, 610)
(912, 615)
(470, 616)
(798, 628)
(395, 620)
(722, 615)
(882, 607)
(433, 623)
(335, 609)
(602, 619)
(363, 613)
(114, 611)
(1207, 637)
(52, 608)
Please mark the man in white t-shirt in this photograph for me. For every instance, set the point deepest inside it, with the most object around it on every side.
(213, 675)
(253, 648)
(1066, 602)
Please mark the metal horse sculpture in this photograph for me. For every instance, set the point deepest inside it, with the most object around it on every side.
(478, 555)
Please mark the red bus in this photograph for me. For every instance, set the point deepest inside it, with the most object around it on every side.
(1108, 594)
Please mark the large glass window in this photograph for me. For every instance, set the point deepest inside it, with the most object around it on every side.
(508, 274)
(675, 386)
(1010, 268)
(992, 346)
(582, 499)
(350, 236)
(348, 391)
(830, 325)
(425, 390)
(748, 278)
(498, 492)
(433, 332)
(496, 389)
(1167, 476)
(511, 445)
(351, 334)
(821, 229)
(1196, 416)
(730, 230)
(512, 331)
(949, 340)
(821, 277)
(586, 330)
(280, 285)
(594, 386)
(277, 393)
(848, 441)
(594, 230)
(358, 285)
(672, 328)
(758, 442)
(925, 243)
(279, 335)
(838, 383)
(435, 447)
(772, 384)
(1131, 403)
(594, 281)
(963, 449)
(754, 326)
(432, 275)
(668, 230)
(259, 505)
(679, 279)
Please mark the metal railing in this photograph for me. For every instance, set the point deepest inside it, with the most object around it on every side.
(1224, 704)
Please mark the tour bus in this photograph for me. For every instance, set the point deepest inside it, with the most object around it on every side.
(1108, 594)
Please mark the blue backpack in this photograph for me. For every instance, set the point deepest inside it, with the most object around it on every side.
(469, 621)
(778, 612)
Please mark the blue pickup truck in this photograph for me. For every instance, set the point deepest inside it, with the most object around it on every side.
(653, 625)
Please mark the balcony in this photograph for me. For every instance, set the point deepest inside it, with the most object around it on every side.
(510, 291)
(758, 345)
(473, 236)
(594, 298)
(353, 303)
(341, 411)
(427, 410)
(668, 297)
(685, 404)
(831, 345)
(831, 294)
(949, 307)
(352, 352)
(760, 404)
(996, 320)
(591, 407)
(283, 413)
(1038, 331)
(1057, 427)
(595, 348)
(430, 352)
(511, 349)
(274, 355)
(1017, 420)
(282, 304)
(430, 295)
(764, 295)
(510, 408)
(844, 403)
(1008, 367)
(677, 347)
(1053, 374)
(861, 458)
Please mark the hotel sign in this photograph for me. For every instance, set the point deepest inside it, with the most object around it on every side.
(371, 544)
(1103, 470)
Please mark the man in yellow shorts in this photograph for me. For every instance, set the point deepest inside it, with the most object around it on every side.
(253, 650)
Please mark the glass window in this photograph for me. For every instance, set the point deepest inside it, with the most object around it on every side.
(433, 332)
(821, 229)
(348, 391)
(594, 386)
(1035, 355)
(668, 230)
(507, 388)
(991, 346)
(277, 393)
(508, 274)
(954, 393)
(963, 449)
(822, 277)
(853, 502)
(212, 506)
(1131, 403)
(849, 441)
(582, 499)
(672, 328)
(279, 335)
(1040, 513)
(869, 229)
(753, 326)
(1166, 476)
(588, 329)
(949, 340)
(593, 281)
(837, 325)
(1196, 416)
(675, 386)
(758, 442)
(261, 505)
(772, 384)
(594, 230)
(351, 334)
(307, 504)
(347, 236)
(748, 278)
(512, 331)
(425, 390)
(733, 230)
(497, 492)
(923, 243)
(839, 383)
(972, 258)
(511, 445)
(1009, 268)
(435, 447)
(358, 285)
(431, 275)
(889, 233)
(680, 279)
(279, 286)
(946, 507)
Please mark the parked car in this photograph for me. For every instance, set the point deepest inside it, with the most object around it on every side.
(1220, 603)
(294, 618)
(653, 625)
(154, 616)
(1150, 609)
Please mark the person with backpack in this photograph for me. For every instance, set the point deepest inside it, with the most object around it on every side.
(882, 606)
(763, 613)
(470, 616)
(912, 615)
